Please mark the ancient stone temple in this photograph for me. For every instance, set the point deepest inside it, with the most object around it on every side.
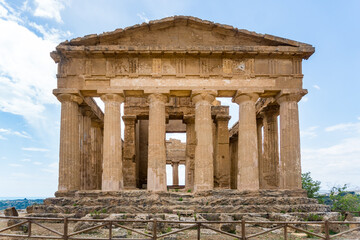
(169, 74)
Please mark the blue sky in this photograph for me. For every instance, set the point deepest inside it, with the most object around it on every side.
(29, 113)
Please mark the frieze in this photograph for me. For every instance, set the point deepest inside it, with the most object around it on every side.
(102, 68)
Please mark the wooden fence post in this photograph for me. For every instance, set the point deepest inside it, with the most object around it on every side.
(285, 232)
(65, 228)
(154, 229)
(29, 229)
(198, 230)
(326, 229)
(110, 230)
(243, 233)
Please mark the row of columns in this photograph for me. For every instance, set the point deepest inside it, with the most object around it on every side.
(199, 148)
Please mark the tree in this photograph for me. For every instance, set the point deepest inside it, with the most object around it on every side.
(311, 186)
(344, 201)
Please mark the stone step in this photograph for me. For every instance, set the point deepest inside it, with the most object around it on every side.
(83, 210)
(180, 201)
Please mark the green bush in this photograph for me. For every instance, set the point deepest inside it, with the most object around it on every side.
(344, 201)
(311, 186)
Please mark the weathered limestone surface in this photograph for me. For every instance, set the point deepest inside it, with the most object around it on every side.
(259, 129)
(129, 164)
(269, 170)
(175, 166)
(96, 155)
(222, 155)
(216, 201)
(142, 140)
(204, 177)
(190, 152)
(290, 168)
(181, 65)
(87, 182)
(157, 151)
(112, 178)
(69, 162)
(175, 151)
(248, 171)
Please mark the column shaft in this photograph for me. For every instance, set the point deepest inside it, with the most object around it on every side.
(96, 154)
(248, 171)
(112, 177)
(270, 169)
(175, 167)
(157, 148)
(222, 153)
(190, 152)
(69, 153)
(129, 167)
(204, 177)
(290, 162)
(87, 182)
(259, 127)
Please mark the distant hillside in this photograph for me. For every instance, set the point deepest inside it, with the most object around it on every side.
(19, 203)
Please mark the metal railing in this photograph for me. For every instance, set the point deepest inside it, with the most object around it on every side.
(193, 225)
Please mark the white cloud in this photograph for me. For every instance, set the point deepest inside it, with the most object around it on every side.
(15, 165)
(337, 163)
(305, 99)
(27, 74)
(22, 134)
(8, 12)
(32, 149)
(37, 163)
(344, 127)
(309, 132)
(2, 138)
(316, 86)
(143, 17)
(26, 160)
(52, 168)
(49, 9)
(20, 175)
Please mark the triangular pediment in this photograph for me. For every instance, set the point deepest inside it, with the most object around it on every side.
(180, 32)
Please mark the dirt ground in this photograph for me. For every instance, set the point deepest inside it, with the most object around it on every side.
(206, 234)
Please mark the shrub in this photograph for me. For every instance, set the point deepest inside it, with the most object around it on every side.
(311, 186)
(344, 201)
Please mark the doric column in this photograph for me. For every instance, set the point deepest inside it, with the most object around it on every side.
(204, 159)
(96, 153)
(175, 167)
(189, 120)
(69, 154)
(290, 162)
(112, 177)
(270, 167)
(222, 156)
(259, 127)
(248, 171)
(129, 166)
(85, 145)
(157, 148)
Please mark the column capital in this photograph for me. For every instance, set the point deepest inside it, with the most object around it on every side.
(259, 120)
(271, 110)
(67, 97)
(97, 124)
(242, 97)
(158, 97)
(222, 117)
(189, 119)
(290, 97)
(206, 95)
(112, 97)
(129, 119)
(86, 111)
